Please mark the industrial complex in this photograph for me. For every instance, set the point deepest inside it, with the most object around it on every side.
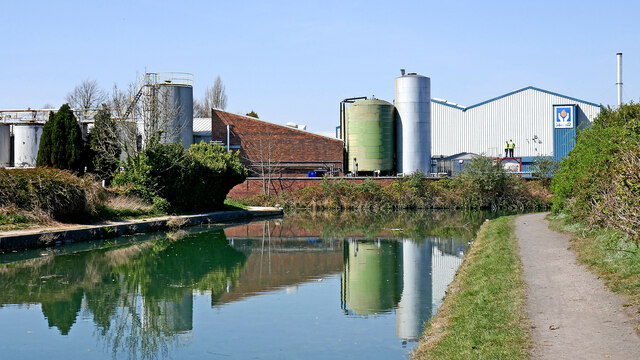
(374, 137)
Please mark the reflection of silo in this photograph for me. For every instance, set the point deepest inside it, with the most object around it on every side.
(26, 143)
(415, 303)
(5, 145)
(413, 123)
(370, 127)
(370, 281)
(176, 316)
(167, 106)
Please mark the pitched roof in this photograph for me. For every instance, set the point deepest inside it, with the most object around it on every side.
(456, 106)
(241, 120)
(282, 143)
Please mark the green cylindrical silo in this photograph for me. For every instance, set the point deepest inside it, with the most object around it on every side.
(370, 135)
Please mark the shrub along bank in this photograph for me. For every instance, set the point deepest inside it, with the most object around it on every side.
(57, 194)
(598, 183)
(175, 179)
(167, 176)
(483, 314)
(483, 185)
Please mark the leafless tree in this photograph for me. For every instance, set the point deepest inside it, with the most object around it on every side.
(160, 114)
(215, 97)
(87, 95)
(199, 111)
(263, 154)
(154, 114)
(127, 128)
(47, 106)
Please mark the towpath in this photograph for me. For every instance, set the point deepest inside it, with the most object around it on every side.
(572, 314)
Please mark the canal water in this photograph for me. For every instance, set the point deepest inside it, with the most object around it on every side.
(306, 286)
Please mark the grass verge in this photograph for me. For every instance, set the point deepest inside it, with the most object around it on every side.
(483, 314)
(608, 253)
(230, 205)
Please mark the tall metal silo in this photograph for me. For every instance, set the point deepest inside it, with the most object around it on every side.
(26, 144)
(413, 123)
(167, 106)
(5, 145)
(370, 139)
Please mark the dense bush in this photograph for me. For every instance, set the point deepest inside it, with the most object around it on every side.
(59, 194)
(197, 179)
(597, 181)
(61, 144)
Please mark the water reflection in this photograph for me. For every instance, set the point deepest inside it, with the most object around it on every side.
(140, 296)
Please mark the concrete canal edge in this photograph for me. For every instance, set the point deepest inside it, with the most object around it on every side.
(38, 238)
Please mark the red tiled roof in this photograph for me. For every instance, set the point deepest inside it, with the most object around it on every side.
(259, 138)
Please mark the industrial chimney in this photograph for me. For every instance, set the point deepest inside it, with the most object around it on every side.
(619, 83)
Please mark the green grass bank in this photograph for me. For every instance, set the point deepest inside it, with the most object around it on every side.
(483, 314)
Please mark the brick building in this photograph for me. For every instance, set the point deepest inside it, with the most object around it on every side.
(272, 150)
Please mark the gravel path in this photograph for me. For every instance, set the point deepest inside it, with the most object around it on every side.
(573, 315)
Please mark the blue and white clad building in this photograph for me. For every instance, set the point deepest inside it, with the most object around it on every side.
(540, 123)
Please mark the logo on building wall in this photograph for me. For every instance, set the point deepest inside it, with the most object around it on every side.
(563, 116)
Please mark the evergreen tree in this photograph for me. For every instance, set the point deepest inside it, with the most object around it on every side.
(61, 144)
(105, 145)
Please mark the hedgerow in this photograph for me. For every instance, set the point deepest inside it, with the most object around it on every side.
(483, 185)
(598, 181)
(56, 193)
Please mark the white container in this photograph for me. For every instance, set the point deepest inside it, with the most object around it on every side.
(26, 142)
(413, 123)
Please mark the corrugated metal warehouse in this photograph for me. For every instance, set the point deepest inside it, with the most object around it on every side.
(525, 116)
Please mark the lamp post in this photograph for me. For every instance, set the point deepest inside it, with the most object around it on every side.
(229, 126)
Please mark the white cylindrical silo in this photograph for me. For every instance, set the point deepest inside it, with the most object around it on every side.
(413, 123)
(26, 143)
(168, 107)
(5, 145)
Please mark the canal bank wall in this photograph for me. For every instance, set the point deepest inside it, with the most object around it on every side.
(256, 185)
(38, 238)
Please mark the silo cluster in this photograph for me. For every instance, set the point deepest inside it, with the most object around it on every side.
(381, 138)
(167, 109)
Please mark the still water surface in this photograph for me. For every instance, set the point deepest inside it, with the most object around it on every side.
(307, 286)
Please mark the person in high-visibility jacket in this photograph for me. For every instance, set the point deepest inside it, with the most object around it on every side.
(512, 146)
(506, 148)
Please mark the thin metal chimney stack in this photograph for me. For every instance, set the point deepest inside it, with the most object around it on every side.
(619, 83)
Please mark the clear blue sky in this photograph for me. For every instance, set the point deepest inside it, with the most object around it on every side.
(295, 60)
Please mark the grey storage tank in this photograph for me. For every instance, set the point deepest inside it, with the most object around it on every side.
(5, 145)
(413, 123)
(167, 106)
(26, 144)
